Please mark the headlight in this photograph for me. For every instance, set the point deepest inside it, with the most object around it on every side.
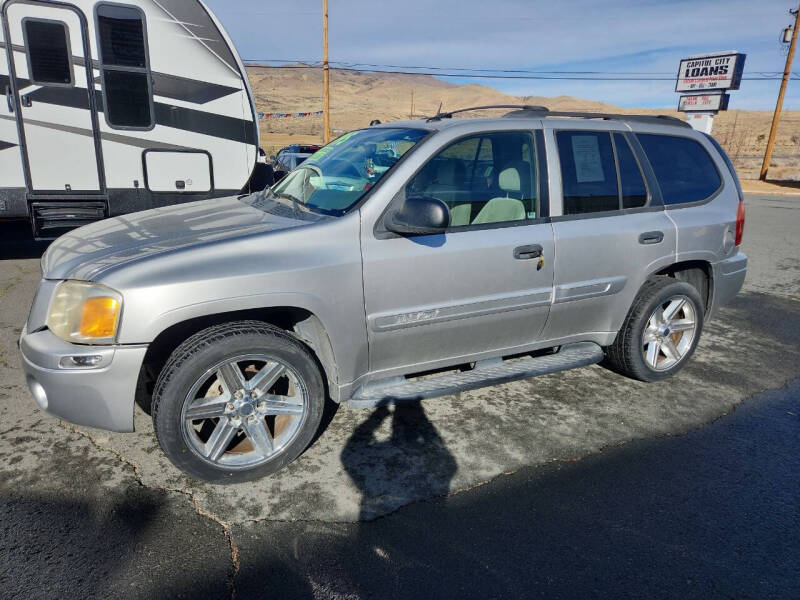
(86, 313)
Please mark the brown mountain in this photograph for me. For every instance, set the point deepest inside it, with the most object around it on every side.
(358, 97)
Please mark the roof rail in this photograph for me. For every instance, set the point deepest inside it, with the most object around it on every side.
(520, 107)
(652, 119)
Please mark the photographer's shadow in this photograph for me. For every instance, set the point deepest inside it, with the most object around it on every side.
(412, 464)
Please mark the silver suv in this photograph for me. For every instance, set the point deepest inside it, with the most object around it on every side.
(399, 262)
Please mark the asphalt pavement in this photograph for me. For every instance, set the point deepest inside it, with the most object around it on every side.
(577, 484)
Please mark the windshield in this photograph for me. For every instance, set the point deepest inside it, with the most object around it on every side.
(334, 178)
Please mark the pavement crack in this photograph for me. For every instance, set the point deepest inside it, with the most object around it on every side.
(225, 526)
(226, 530)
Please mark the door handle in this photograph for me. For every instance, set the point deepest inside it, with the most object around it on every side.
(26, 101)
(527, 252)
(9, 99)
(651, 237)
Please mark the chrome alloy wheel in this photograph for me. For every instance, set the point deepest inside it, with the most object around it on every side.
(244, 411)
(669, 334)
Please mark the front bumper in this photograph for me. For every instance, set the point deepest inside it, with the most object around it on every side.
(101, 396)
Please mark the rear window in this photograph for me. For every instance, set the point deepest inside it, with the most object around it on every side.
(728, 162)
(684, 170)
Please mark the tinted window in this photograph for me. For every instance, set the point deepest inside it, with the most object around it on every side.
(684, 170)
(121, 34)
(634, 191)
(729, 164)
(128, 99)
(49, 55)
(483, 179)
(588, 174)
(124, 67)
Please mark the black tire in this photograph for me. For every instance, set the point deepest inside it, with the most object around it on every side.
(626, 355)
(192, 359)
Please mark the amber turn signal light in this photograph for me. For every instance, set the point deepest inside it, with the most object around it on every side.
(99, 319)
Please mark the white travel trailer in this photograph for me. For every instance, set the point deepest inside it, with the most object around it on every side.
(114, 107)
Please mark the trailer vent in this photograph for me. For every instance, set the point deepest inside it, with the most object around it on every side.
(52, 219)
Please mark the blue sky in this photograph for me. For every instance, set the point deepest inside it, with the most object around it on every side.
(569, 35)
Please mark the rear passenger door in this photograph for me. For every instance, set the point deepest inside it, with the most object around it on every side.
(611, 233)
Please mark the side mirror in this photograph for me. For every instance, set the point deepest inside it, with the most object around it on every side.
(419, 215)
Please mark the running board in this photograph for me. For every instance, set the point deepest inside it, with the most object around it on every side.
(485, 373)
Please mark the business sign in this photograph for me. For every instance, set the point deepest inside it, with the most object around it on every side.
(720, 71)
(704, 102)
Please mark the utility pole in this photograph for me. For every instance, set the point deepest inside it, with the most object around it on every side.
(786, 72)
(326, 77)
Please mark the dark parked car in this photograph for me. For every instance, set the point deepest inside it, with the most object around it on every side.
(290, 157)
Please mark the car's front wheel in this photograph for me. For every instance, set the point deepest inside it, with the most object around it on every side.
(238, 401)
(660, 332)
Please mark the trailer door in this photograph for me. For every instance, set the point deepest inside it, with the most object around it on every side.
(51, 69)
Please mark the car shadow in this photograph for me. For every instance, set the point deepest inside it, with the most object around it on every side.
(380, 468)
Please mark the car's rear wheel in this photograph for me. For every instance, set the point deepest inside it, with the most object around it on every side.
(237, 402)
(660, 332)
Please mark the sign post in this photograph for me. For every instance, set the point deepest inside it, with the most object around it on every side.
(701, 121)
(707, 77)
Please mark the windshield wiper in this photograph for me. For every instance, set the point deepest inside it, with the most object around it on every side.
(300, 206)
(291, 198)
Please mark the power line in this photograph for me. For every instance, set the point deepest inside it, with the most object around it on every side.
(531, 71)
(555, 76)
(504, 73)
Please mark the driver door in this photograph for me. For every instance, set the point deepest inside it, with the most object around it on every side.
(473, 291)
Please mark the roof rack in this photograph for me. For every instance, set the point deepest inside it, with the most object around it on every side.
(448, 115)
(539, 113)
(533, 111)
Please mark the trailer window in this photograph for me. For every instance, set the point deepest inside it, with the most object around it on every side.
(125, 67)
(49, 55)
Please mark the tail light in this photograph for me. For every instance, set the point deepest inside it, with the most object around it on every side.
(739, 223)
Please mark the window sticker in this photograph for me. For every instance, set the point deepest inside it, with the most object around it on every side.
(588, 163)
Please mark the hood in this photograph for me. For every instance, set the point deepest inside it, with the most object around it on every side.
(87, 252)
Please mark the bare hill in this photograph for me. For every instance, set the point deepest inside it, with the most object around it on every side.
(357, 98)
